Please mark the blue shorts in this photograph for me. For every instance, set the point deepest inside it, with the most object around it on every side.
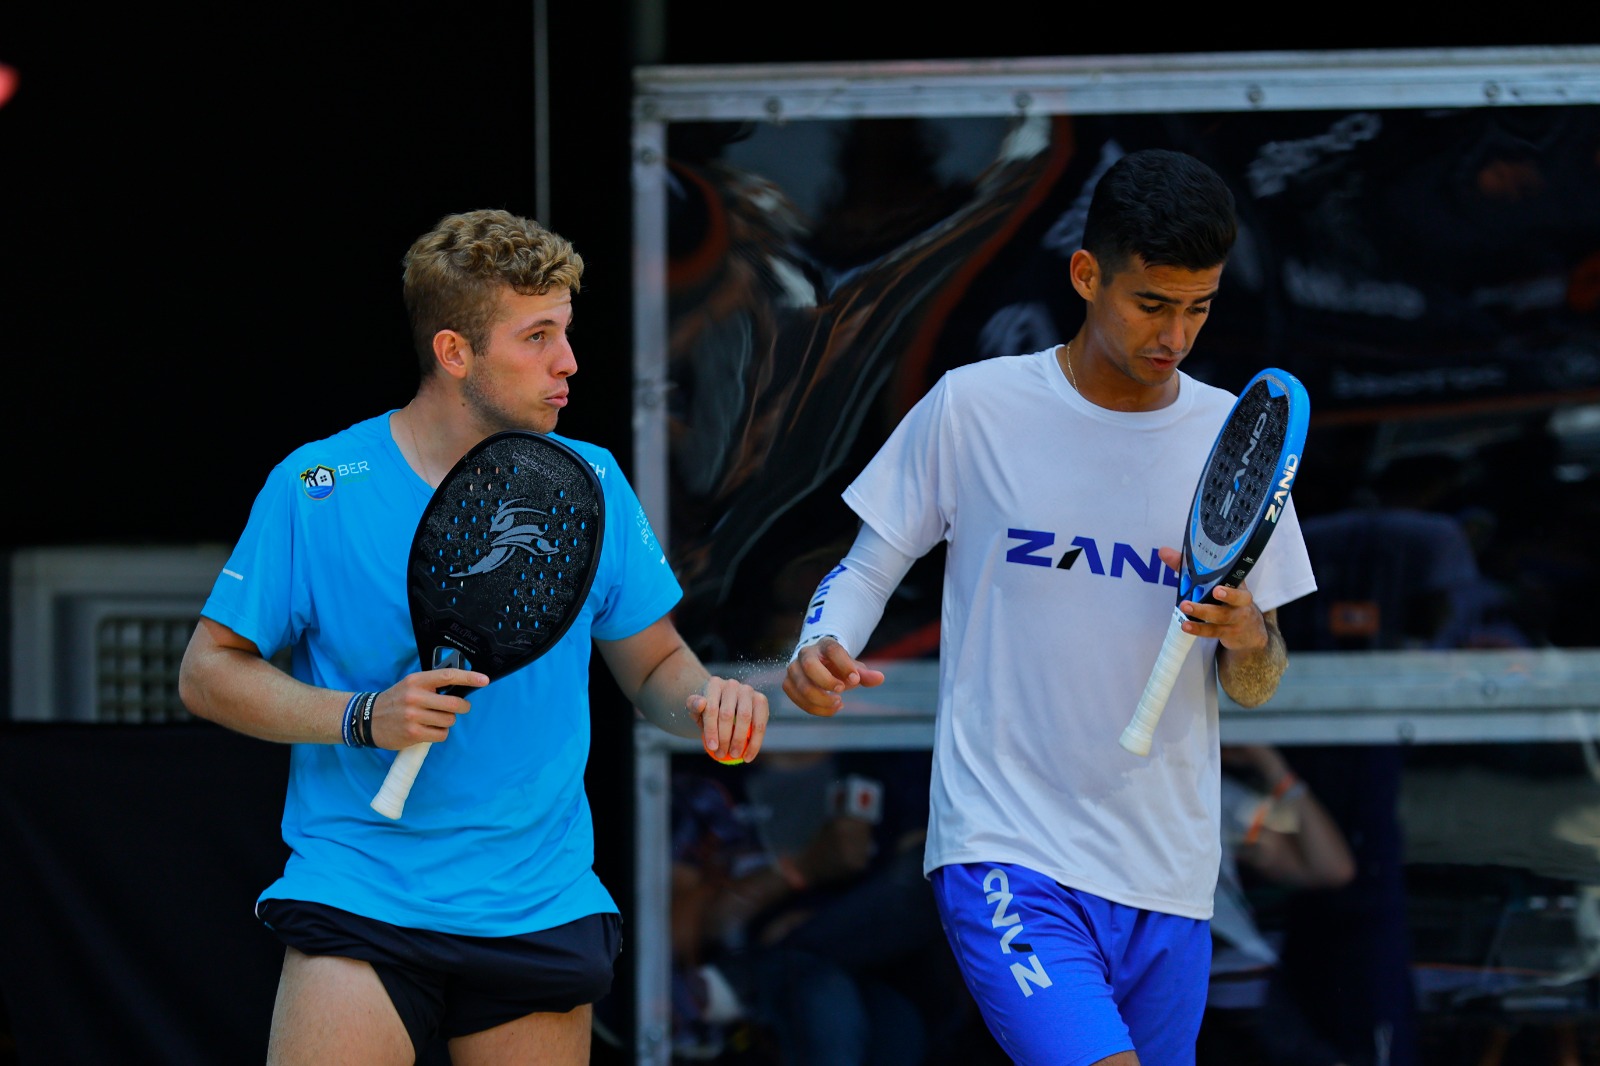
(447, 985)
(1066, 978)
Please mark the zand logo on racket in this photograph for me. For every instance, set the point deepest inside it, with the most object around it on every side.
(1244, 462)
(1280, 495)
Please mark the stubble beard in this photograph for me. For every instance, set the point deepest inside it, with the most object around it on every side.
(495, 417)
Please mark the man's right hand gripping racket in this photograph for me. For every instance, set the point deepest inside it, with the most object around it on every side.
(500, 565)
(1243, 490)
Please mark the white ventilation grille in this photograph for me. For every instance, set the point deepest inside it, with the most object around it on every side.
(97, 633)
(136, 667)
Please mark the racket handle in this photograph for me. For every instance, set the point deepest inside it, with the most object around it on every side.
(1174, 649)
(391, 798)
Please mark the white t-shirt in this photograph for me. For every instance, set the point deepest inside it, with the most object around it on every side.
(1055, 606)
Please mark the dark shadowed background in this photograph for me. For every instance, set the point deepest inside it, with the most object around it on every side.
(202, 214)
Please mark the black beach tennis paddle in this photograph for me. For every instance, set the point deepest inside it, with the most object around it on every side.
(500, 565)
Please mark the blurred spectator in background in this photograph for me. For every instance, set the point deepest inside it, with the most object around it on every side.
(1392, 572)
(1391, 575)
(1537, 538)
(803, 931)
(1276, 835)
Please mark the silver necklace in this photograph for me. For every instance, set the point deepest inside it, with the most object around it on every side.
(1072, 378)
(423, 462)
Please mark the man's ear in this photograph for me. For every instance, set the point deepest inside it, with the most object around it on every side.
(452, 352)
(1084, 269)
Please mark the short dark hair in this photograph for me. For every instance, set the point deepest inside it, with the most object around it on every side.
(454, 273)
(1165, 207)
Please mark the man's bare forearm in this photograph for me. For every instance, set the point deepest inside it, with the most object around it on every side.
(1251, 677)
(663, 696)
(239, 690)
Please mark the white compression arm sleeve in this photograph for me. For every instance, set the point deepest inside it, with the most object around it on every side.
(849, 602)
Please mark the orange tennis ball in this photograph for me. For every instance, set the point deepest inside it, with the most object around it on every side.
(726, 760)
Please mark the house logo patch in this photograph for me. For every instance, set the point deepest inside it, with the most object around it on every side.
(318, 481)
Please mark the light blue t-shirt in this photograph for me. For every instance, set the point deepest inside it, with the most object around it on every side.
(497, 837)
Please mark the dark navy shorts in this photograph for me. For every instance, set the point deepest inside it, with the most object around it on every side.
(1066, 978)
(448, 985)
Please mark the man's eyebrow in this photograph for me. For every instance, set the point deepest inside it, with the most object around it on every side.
(545, 323)
(1159, 298)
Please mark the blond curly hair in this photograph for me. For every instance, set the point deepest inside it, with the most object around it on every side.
(454, 274)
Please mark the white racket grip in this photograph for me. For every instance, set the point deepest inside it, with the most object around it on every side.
(1174, 649)
(391, 798)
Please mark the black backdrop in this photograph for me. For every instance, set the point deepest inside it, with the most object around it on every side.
(132, 858)
(202, 212)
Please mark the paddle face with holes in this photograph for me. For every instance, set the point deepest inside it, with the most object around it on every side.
(500, 565)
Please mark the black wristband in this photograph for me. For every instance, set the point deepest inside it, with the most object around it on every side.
(364, 721)
(358, 720)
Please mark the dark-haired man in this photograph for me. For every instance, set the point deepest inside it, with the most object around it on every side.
(1075, 880)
